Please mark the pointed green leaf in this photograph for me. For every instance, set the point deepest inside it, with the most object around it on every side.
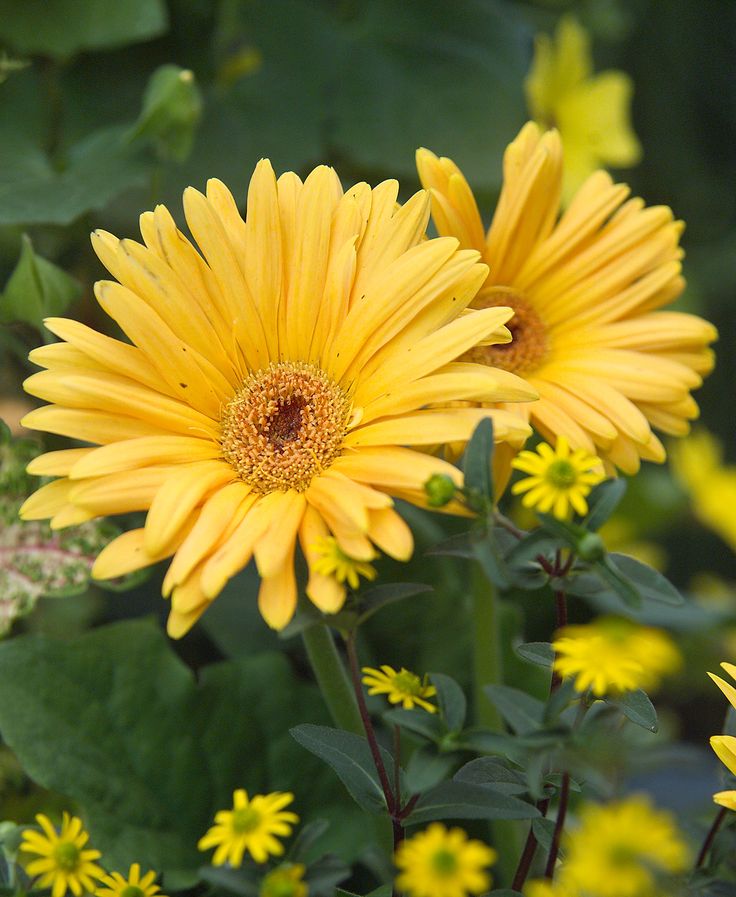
(372, 600)
(477, 463)
(461, 800)
(350, 757)
(489, 771)
(521, 711)
(637, 707)
(540, 653)
(647, 581)
(417, 721)
(451, 699)
(37, 289)
(603, 501)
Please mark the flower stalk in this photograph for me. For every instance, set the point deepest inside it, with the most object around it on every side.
(331, 677)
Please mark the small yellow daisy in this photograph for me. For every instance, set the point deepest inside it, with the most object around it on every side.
(116, 885)
(252, 825)
(441, 862)
(63, 862)
(400, 687)
(559, 480)
(328, 559)
(613, 655)
(285, 881)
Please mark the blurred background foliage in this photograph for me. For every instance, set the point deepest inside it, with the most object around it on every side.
(107, 108)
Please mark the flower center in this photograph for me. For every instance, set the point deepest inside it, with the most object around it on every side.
(66, 855)
(132, 891)
(285, 425)
(408, 683)
(444, 862)
(562, 474)
(245, 820)
(529, 345)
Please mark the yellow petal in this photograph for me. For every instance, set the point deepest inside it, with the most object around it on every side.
(143, 452)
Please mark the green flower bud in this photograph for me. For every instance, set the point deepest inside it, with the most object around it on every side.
(172, 106)
(591, 547)
(440, 490)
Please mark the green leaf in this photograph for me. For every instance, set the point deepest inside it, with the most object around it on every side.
(427, 768)
(540, 653)
(637, 707)
(428, 72)
(484, 771)
(649, 583)
(117, 723)
(63, 27)
(372, 600)
(619, 584)
(451, 699)
(459, 546)
(477, 462)
(306, 838)
(243, 882)
(537, 542)
(521, 711)
(603, 501)
(461, 800)
(37, 289)
(544, 832)
(172, 107)
(99, 168)
(350, 757)
(324, 874)
(417, 721)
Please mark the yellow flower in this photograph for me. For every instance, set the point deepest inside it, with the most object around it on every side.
(285, 881)
(559, 480)
(725, 745)
(402, 687)
(64, 864)
(117, 885)
(328, 559)
(698, 465)
(586, 289)
(441, 862)
(623, 849)
(252, 825)
(274, 384)
(613, 655)
(591, 112)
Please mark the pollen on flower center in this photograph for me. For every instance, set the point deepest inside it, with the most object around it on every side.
(562, 473)
(408, 682)
(285, 425)
(66, 855)
(245, 820)
(444, 862)
(132, 891)
(529, 345)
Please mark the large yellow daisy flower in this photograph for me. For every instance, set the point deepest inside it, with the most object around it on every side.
(271, 386)
(586, 288)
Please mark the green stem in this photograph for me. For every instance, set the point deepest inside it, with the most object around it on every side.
(487, 657)
(331, 677)
(488, 670)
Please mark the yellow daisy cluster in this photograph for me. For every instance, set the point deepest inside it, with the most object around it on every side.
(591, 112)
(613, 655)
(64, 863)
(275, 387)
(698, 464)
(587, 287)
(442, 862)
(623, 849)
(400, 687)
(559, 479)
(284, 881)
(725, 745)
(253, 826)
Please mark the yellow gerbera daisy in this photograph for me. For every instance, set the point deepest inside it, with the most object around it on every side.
(64, 864)
(559, 480)
(253, 825)
(613, 655)
(400, 687)
(725, 745)
(442, 862)
(271, 387)
(586, 289)
(117, 885)
(592, 112)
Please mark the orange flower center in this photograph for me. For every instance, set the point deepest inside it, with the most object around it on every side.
(285, 425)
(529, 346)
